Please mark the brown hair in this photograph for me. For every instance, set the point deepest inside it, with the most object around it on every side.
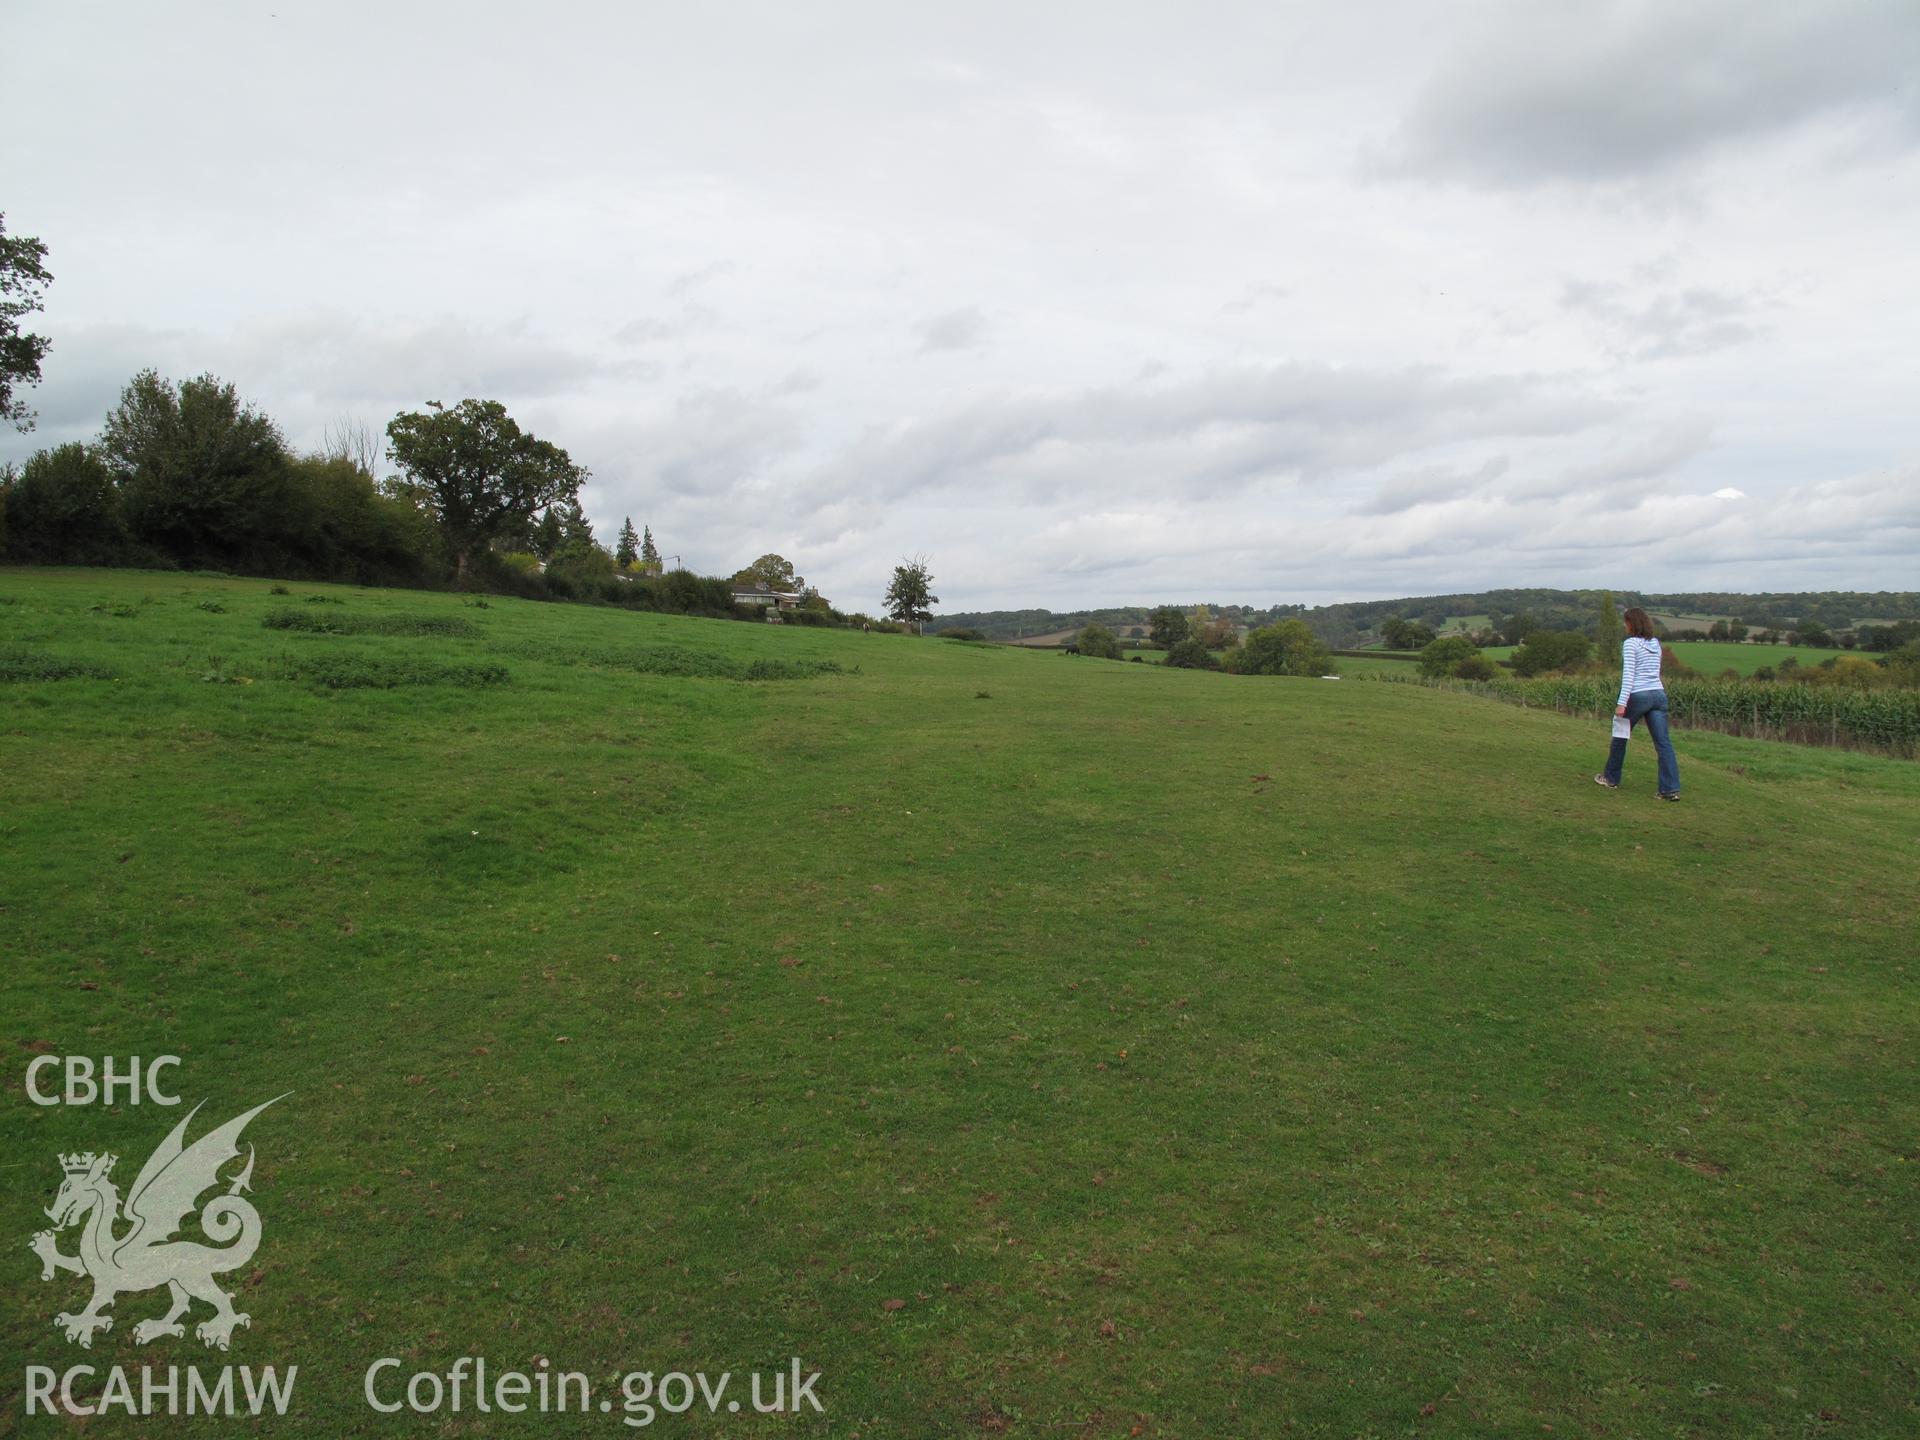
(1639, 623)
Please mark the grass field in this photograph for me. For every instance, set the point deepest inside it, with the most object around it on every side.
(1356, 665)
(1035, 1048)
(1710, 657)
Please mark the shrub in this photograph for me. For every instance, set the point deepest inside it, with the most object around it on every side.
(962, 632)
(63, 509)
(1285, 648)
(1475, 667)
(1904, 664)
(212, 607)
(581, 566)
(1099, 642)
(1445, 655)
(1853, 672)
(1190, 654)
(1549, 650)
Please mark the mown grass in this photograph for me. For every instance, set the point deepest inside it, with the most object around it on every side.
(1191, 1055)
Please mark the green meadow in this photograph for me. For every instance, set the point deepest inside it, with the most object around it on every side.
(1034, 1046)
(1712, 657)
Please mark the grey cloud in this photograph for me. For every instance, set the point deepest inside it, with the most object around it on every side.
(1432, 487)
(1610, 91)
(1228, 429)
(1637, 456)
(716, 446)
(1251, 298)
(305, 369)
(798, 381)
(353, 361)
(690, 319)
(84, 375)
(1670, 324)
(689, 280)
(963, 329)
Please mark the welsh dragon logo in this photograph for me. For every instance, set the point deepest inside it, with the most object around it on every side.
(145, 1255)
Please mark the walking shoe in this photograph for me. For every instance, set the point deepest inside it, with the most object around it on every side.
(1664, 795)
(1605, 783)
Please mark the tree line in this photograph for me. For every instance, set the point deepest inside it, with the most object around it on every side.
(188, 475)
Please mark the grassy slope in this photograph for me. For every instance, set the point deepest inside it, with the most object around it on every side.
(645, 1022)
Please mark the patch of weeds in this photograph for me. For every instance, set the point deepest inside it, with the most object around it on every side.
(32, 665)
(325, 600)
(476, 604)
(699, 663)
(212, 607)
(279, 590)
(119, 609)
(981, 695)
(448, 626)
(218, 674)
(373, 672)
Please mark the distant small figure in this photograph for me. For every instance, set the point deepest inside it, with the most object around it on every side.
(865, 628)
(1642, 697)
(1070, 650)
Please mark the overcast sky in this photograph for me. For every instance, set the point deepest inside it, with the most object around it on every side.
(1089, 303)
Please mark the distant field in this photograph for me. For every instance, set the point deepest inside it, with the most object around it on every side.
(1055, 638)
(1686, 621)
(1036, 1047)
(1711, 657)
(1371, 665)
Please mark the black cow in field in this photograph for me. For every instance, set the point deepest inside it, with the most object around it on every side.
(1069, 649)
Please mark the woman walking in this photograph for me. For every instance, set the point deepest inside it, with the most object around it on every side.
(1642, 698)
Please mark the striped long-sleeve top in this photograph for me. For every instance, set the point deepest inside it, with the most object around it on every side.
(1639, 666)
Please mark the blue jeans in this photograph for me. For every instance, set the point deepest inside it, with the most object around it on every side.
(1650, 706)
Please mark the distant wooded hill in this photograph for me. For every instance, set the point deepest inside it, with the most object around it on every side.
(1354, 623)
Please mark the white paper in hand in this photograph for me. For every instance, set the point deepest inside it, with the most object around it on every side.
(1622, 727)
